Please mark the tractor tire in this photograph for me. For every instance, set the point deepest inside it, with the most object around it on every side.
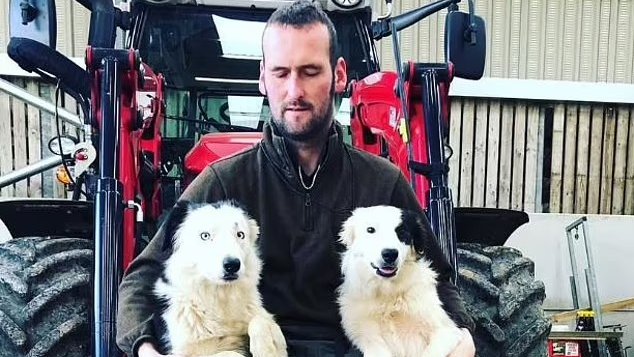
(45, 297)
(502, 296)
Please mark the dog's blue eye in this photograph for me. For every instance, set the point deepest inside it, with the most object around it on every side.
(241, 235)
(371, 230)
(205, 235)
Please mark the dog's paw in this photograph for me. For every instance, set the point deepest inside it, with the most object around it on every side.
(266, 338)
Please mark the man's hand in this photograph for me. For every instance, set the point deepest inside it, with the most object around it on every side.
(466, 347)
(147, 350)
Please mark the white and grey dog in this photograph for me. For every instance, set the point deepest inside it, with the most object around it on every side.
(388, 300)
(207, 294)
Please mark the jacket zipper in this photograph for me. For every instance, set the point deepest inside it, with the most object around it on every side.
(308, 221)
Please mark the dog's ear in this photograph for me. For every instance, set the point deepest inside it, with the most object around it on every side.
(254, 229)
(346, 234)
(413, 231)
(173, 222)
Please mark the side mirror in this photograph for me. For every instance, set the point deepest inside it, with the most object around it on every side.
(33, 19)
(465, 44)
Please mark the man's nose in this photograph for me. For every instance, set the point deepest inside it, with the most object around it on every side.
(295, 88)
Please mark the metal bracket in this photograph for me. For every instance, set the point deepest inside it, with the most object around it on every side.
(589, 275)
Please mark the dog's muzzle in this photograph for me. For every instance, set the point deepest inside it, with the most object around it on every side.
(231, 266)
(387, 268)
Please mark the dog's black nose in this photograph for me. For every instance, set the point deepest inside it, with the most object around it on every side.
(389, 255)
(231, 265)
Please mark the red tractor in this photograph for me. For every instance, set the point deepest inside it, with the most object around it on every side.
(182, 92)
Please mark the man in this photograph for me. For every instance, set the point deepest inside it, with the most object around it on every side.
(299, 183)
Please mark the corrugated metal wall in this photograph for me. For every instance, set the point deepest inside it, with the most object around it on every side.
(576, 40)
(73, 21)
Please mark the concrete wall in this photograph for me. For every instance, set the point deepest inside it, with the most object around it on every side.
(544, 241)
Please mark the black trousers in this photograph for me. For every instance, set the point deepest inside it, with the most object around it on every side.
(320, 348)
(312, 341)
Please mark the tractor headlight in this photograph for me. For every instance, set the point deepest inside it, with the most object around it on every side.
(347, 4)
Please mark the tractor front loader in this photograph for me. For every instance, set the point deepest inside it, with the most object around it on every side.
(182, 93)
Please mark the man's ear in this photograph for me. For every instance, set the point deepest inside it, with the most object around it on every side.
(346, 234)
(341, 75)
(261, 85)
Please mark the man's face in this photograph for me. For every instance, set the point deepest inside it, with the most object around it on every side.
(298, 79)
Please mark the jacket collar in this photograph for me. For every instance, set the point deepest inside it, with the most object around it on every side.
(276, 149)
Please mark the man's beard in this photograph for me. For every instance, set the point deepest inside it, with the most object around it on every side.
(316, 126)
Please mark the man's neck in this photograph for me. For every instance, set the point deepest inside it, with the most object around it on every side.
(308, 155)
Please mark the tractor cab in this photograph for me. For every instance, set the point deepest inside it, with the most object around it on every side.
(210, 58)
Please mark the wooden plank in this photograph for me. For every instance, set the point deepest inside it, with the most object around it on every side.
(570, 151)
(466, 153)
(47, 131)
(455, 131)
(609, 307)
(518, 160)
(6, 148)
(33, 139)
(480, 154)
(493, 152)
(596, 147)
(58, 190)
(620, 160)
(531, 192)
(20, 147)
(556, 169)
(583, 152)
(506, 155)
(607, 165)
(629, 172)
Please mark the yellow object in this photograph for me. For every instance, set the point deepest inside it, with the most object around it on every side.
(402, 129)
(62, 175)
(585, 313)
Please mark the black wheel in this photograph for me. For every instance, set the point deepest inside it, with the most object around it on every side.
(501, 294)
(45, 297)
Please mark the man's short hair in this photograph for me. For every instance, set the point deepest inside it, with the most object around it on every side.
(302, 13)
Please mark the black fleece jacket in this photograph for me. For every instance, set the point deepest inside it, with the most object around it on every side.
(299, 229)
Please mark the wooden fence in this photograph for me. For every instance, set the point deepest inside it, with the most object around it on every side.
(543, 157)
(533, 156)
(24, 135)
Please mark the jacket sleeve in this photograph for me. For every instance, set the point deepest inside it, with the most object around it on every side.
(403, 196)
(134, 310)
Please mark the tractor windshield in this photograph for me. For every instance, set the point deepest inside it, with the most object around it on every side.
(210, 58)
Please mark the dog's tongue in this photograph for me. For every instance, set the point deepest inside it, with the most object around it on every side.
(387, 270)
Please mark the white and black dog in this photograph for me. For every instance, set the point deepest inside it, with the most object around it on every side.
(388, 300)
(208, 303)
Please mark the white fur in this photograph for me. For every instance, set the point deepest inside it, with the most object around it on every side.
(398, 316)
(207, 315)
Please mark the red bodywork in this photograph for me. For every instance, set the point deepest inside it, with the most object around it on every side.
(139, 132)
(215, 146)
(376, 122)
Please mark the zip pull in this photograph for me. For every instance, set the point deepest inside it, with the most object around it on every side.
(308, 219)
